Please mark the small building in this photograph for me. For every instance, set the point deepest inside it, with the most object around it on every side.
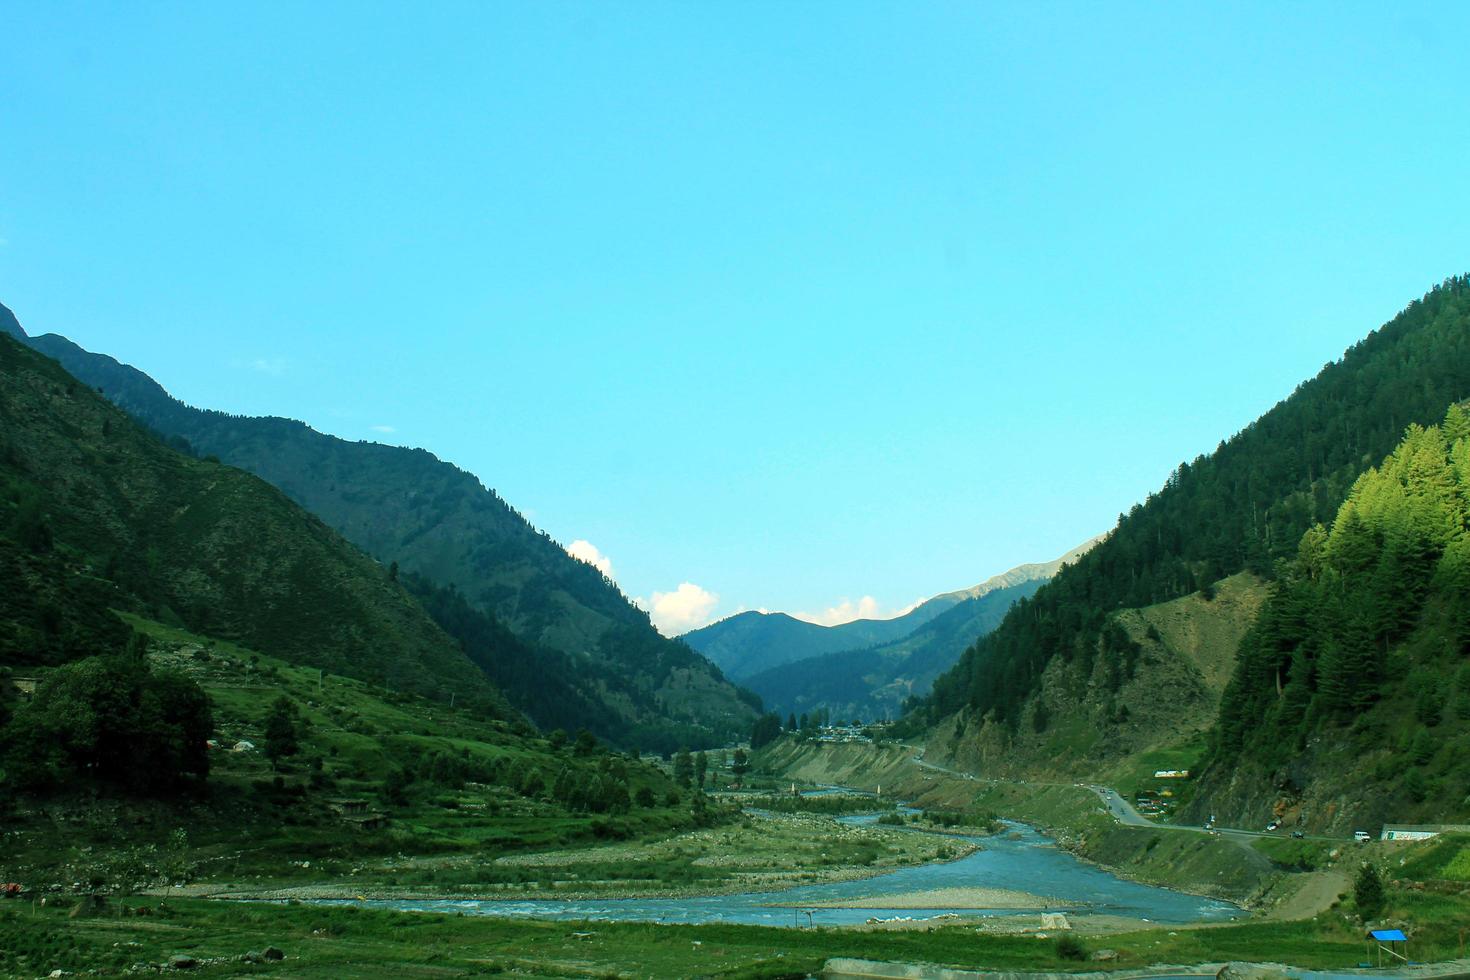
(1172, 774)
(1420, 831)
(348, 808)
(1390, 941)
(368, 821)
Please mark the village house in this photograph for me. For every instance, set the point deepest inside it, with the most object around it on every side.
(1420, 831)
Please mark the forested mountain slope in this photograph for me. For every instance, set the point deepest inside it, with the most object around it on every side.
(96, 514)
(1350, 701)
(439, 522)
(1240, 508)
(1156, 688)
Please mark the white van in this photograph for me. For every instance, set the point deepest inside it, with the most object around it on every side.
(1362, 836)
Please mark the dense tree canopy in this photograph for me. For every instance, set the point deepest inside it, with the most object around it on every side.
(1357, 588)
(766, 730)
(111, 720)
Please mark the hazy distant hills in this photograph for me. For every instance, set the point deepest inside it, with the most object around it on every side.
(440, 523)
(866, 667)
(876, 681)
(750, 643)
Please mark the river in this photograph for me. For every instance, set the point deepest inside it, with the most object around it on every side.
(1017, 859)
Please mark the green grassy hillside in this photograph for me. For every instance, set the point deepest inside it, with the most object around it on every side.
(384, 790)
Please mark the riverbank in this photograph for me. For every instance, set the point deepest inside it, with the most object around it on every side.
(943, 899)
(1198, 864)
(761, 852)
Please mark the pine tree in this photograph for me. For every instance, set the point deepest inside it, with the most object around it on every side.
(1368, 892)
(683, 768)
(281, 737)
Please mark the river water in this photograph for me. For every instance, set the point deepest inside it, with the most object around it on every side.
(1019, 859)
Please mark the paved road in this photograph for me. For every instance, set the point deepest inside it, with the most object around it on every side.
(1121, 809)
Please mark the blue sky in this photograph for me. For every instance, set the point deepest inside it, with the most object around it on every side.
(793, 305)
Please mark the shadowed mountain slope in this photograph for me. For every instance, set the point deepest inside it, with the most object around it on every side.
(98, 514)
(439, 522)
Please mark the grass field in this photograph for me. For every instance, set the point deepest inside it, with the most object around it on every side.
(349, 943)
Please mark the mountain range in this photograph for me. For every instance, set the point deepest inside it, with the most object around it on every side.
(865, 668)
(598, 660)
(100, 516)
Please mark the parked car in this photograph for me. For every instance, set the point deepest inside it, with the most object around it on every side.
(1362, 836)
(1298, 834)
(1272, 825)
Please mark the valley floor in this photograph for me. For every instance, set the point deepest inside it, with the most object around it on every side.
(1302, 919)
(757, 852)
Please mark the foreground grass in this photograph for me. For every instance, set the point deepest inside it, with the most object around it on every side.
(349, 942)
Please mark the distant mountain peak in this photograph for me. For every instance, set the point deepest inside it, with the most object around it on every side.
(753, 642)
(1023, 573)
(9, 324)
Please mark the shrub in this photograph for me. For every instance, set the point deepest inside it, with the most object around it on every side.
(1069, 947)
(1368, 892)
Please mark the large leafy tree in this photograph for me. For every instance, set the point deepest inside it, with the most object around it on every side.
(111, 720)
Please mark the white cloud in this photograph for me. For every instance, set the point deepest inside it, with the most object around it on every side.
(910, 607)
(843, 612)
(587, 551)
(687, 607)
(385, 429)
(274, 366)
(846, 610)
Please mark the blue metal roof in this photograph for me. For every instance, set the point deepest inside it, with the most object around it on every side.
(1389, 935)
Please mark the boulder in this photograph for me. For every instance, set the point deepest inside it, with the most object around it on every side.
(181, 962)
(271, 953)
